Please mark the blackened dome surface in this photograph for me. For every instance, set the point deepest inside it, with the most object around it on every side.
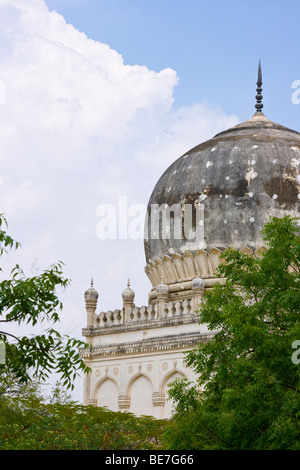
(242, 176)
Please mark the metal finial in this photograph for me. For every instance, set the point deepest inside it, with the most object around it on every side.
(92, 283)
(259, 106)
(128, 283)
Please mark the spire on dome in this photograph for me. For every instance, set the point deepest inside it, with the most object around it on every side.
(91, 293)
(258, 97)
(128, 294)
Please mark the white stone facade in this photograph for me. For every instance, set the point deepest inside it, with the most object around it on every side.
(135, 352)
(136, 384)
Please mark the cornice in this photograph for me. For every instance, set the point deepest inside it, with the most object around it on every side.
(159, 344)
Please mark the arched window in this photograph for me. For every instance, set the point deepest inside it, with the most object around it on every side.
(169, 404)
(141, 396)
(107, 395)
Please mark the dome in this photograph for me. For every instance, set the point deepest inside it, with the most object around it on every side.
(128, 294)
(231, 184)
(91, 293)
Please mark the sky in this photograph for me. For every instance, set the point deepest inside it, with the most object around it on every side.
(99, 97)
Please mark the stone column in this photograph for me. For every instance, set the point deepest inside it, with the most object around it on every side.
(87, 379)
(162, 291)
(158, 401)
(124, 402)
(198, 286)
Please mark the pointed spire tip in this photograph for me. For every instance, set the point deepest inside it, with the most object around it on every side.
(259, 106)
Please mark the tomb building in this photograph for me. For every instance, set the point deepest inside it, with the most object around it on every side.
(217, 195)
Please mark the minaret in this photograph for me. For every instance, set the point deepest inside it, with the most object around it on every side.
(259, 106)
(91, 299)
(128, 301)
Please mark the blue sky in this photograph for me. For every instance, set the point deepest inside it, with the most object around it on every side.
(213, 45)
(99, 97)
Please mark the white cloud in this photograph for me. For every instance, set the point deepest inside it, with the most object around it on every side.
(80, 128)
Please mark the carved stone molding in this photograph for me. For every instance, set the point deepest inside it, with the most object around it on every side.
(183, 267)
(93, 401)
(124, 402)
(141, 325)
(184, 341)
(158, 399)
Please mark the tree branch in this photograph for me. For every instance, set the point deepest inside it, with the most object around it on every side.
(9, 334)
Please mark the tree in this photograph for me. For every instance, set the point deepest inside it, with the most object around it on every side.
(30, 421)
(32, 301)
(249, 371)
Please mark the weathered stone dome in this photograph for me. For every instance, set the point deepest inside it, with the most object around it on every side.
(240, 177)
(128, 294)
(91, 293)
(220, 194)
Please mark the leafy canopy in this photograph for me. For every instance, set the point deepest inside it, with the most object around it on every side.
(32, 301)
(31, 421)
(248, 395)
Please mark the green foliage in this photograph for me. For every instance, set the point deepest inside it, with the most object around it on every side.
(32, 301)
(250, 396)
(30, 422)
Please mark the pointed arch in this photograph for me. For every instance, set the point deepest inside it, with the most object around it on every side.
(169, 404)
(134, 378)
(106, 392)
(140, 391)
(168, 376)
